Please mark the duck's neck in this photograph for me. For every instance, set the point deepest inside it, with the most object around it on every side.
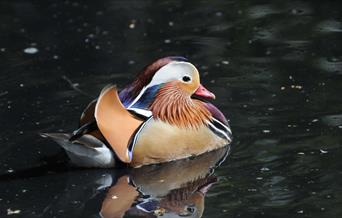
(174, 106)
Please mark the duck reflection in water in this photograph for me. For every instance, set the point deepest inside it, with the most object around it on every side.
(175, 189)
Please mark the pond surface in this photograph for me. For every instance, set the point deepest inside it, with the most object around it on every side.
(275, 67)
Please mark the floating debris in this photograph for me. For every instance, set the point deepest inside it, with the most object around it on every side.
(265, 169)
(75, 86)
(132, 24)
(12, 212)
(296, 87)
(323, 151)
(266, 131)
(3, 93)
(31, 50)
(167, 41)
(329, 26)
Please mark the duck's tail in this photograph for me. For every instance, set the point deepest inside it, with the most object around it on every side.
(85, 151)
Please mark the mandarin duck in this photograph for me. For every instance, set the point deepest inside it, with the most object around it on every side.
(162, 116)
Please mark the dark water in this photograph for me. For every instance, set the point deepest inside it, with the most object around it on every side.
(275, 67)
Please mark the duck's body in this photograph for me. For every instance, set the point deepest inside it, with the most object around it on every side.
(156, 122)
(172, 143)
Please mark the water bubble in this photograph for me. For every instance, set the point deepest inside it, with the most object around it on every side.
(31, 50)
(132, 24)
(264, 169)
(219, 14)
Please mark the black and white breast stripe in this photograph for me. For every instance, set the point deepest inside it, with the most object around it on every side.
(220, 129)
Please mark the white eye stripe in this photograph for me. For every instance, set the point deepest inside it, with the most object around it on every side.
(172, 71)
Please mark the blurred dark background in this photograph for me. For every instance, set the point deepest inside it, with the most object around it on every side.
(275, 67)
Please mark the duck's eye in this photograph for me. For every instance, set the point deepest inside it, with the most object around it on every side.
(186, 78)
(190, 209)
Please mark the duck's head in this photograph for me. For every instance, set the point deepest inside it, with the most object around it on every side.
(170, 72)
(182, 75)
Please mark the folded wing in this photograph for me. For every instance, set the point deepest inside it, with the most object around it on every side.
(116, 124)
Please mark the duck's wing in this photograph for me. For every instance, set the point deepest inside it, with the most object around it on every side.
(86, 151)
(116, 124)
